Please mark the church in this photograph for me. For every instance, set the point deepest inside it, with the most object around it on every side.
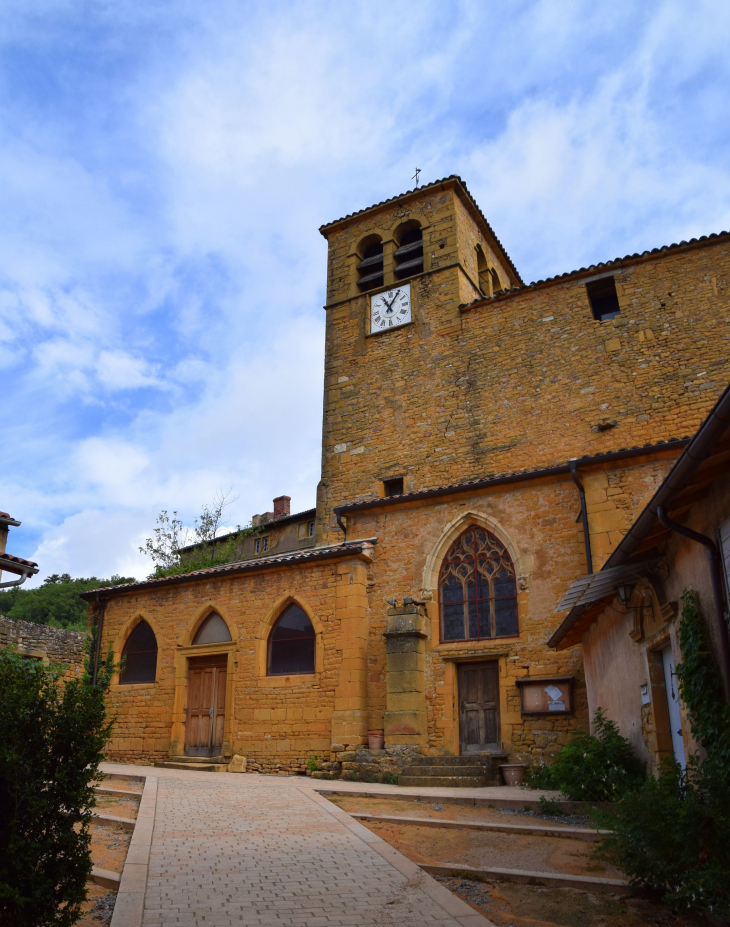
(485, 443)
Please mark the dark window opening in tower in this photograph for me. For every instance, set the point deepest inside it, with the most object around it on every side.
(370, 267)
(409, 256)
(603, 299)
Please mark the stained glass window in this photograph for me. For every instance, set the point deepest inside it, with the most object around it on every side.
(477, 589)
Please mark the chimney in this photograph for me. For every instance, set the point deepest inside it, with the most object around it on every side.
(281, 506)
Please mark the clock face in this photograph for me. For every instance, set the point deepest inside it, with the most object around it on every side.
(390, 309)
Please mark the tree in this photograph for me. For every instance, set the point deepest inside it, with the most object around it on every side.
(170, 536)
(56, 602)
(52, 739)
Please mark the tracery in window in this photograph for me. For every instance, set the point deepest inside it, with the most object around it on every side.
(291, 644)
(139, 656)
(213, 630)
(477, 589)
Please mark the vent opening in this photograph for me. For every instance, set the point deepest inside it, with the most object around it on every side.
(393, 487)
(409, 255)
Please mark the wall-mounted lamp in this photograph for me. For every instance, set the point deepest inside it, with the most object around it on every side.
(408, 600)
(625, 591)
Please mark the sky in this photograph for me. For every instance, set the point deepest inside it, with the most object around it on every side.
(164, 169)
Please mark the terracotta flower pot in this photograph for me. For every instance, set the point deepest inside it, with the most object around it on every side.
(376, 741)
(513, 773)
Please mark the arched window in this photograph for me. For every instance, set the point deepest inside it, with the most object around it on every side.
(139, 656)
(370, 268)
(485, 278)
(291, 644)
(213, 630)
(477, 589)
(409, 254)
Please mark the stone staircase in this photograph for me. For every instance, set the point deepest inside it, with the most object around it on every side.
(453, 771)
(198, 763)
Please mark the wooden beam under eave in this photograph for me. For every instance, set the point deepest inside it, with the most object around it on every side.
(652, 541)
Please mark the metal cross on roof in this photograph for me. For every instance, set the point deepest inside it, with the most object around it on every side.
(415, 176)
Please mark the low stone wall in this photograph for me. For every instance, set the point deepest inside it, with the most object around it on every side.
(363, 765)
(51, 645)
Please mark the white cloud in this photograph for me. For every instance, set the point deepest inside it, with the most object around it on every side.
(161, 273)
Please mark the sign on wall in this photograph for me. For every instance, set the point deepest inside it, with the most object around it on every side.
(545, 696)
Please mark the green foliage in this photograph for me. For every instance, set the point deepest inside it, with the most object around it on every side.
(592, 767)
(701, 686)
(313, 763)
(176, 551)
(550, 806)
(539, 777)
(52, 738)
(390, 778)
(673, 833)
(56, 602)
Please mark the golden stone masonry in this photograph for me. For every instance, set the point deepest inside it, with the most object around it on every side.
(484, 443)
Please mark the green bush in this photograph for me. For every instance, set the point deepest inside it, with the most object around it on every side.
(592, 767)
(52, 737)
(673, 833)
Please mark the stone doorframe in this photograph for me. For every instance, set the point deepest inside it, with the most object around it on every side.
(184, 650)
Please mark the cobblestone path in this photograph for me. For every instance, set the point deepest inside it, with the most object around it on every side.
(230, 850)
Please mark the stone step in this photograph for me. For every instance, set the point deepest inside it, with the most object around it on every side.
(197, 759)
(453, 772)
(447, 782)
(197, 767)
(468, 761)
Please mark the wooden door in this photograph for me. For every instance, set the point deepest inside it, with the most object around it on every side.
(479, 707)
(206, 711)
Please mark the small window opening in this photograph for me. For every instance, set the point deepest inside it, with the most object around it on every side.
(603, 299)
(310, 529)
(370, 267)
(261, 545)
(393, 487)
(409, 256)
(139, 657)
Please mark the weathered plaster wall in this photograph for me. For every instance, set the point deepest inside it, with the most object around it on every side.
(687, 560)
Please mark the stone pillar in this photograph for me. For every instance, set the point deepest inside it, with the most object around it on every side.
(350, 717)
(405, 648)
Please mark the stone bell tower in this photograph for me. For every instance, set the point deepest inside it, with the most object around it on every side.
(396, 275)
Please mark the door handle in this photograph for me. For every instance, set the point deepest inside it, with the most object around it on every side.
(211, 714)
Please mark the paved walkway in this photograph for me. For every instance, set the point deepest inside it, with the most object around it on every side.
(259, 850)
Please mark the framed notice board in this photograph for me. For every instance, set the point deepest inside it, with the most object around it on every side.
(547, 695)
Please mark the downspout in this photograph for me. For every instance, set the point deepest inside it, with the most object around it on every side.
(583, 515)
(338, 518)
(713, 555)
(100, 628)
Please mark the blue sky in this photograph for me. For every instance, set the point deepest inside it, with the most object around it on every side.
(164, 168)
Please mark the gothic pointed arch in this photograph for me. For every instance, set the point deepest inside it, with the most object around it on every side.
(211, 624)
(139, 654)
(292, 643)
(477, 588)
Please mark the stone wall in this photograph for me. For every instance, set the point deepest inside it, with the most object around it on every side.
(528, 379)
(51, 645)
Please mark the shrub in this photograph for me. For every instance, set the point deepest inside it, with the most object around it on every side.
(52, 737)
(313, 763)
(673, 833)
(592, 767)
